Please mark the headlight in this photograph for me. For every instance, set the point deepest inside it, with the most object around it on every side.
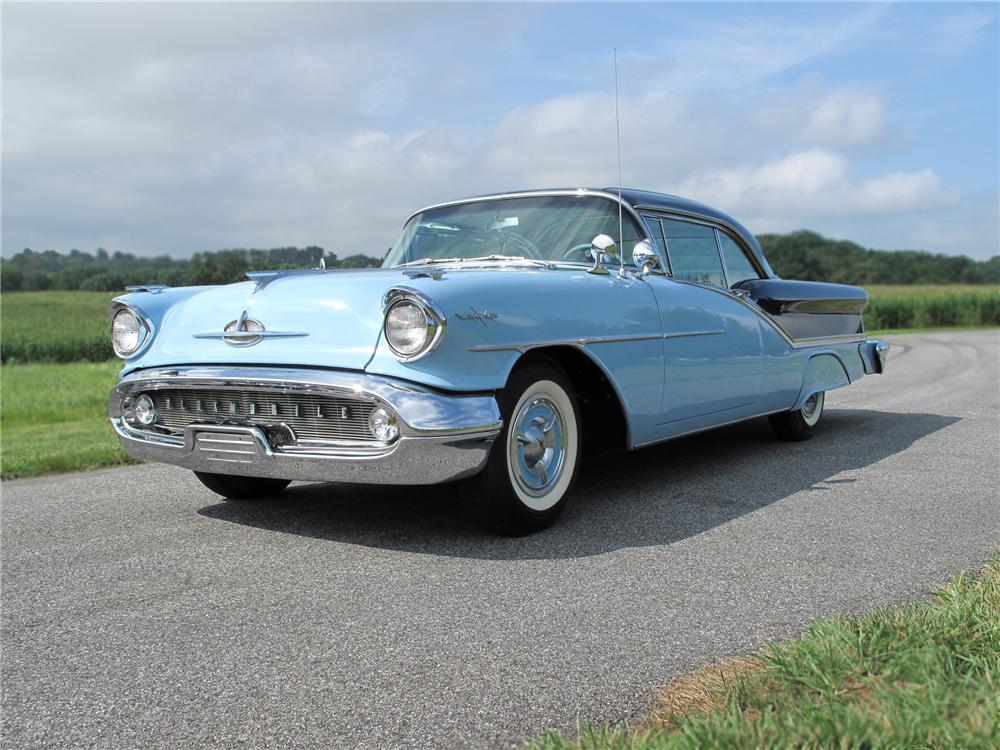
(413, 325)
(128, 332)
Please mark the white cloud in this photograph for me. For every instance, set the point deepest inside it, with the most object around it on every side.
(176, 128)
(847, 116)
(816, 184)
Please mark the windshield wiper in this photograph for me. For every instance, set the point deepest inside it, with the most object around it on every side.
(519, 258)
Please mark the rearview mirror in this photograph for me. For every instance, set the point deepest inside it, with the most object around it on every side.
(602, 248)
(644, 256)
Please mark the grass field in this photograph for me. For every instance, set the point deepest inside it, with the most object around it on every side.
(53, 417)
(54, 327)
(926, 675)
(898, 307)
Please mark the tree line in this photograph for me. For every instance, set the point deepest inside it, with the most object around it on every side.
(29, 270)
(799, 255)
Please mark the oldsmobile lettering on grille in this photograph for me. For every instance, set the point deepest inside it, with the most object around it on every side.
(257, 408)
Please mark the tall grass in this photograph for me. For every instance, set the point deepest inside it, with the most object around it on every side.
(54, 327)
(932, 306)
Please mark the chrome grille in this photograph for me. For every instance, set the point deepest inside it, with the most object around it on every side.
(310, 417)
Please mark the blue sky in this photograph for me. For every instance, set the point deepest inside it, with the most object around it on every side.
(170, 128)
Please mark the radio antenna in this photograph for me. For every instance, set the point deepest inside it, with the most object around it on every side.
(618, 139)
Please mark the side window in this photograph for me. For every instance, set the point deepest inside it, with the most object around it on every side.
(738, 265)
(656, 235)
(694, 253)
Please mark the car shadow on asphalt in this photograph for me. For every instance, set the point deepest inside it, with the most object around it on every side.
(654, 496)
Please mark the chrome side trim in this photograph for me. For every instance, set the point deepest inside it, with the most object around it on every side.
(684, 334)
(523, 346)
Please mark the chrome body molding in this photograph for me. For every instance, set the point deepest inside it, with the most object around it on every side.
(523, 346)
(442, 436)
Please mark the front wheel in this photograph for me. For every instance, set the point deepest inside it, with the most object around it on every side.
(800, 424)
(241, 488)
(534, 460)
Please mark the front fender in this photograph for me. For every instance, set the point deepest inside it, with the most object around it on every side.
(494, 316)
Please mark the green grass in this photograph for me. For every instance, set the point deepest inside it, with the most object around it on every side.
(53, 417)
(929, 329)
(54, 327)
(899, 307)
(925, 675)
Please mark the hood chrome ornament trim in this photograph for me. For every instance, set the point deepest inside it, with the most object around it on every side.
(246, 332)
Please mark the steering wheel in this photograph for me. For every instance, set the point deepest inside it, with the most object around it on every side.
(529, 247)
(583, 249)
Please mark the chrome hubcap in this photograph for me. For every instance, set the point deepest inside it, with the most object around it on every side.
(538, 449)
(809, 407)
(812, 409)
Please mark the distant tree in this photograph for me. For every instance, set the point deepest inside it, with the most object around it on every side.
(799, 255)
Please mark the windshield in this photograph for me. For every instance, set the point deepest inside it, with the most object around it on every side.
(549, 228)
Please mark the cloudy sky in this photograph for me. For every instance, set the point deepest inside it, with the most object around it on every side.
(174, 128)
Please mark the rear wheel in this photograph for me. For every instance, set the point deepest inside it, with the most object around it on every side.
(242, 488)
(800, 424)
(534, 460)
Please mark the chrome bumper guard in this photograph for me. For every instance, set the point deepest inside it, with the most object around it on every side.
(442, 436)
(874, 354)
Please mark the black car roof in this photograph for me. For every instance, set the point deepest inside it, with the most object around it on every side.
(640, 199)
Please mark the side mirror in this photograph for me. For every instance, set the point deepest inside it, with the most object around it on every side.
(602, 248)
(645, 257)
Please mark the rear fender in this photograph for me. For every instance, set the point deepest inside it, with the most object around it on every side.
(824, 371)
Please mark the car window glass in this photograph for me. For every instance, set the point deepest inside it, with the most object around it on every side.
(738, 266)
(656, 235)
(694, 254)
(559, 227)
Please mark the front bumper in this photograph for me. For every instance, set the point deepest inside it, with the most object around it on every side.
(442, 436)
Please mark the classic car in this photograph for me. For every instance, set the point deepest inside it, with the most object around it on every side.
(500, 336)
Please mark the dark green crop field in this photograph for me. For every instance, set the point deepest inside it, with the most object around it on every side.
(54, 327)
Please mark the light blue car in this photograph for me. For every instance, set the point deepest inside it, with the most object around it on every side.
(501, 337)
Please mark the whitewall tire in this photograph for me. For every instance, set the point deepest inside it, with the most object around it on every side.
(536, 457)
(800, 424)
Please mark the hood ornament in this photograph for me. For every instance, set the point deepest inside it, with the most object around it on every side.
(246, 331)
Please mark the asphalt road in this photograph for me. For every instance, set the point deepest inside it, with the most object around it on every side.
(140, 610)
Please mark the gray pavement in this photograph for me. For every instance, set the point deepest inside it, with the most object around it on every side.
(140, 610)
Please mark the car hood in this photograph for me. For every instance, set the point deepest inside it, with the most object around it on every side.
(311, 318)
